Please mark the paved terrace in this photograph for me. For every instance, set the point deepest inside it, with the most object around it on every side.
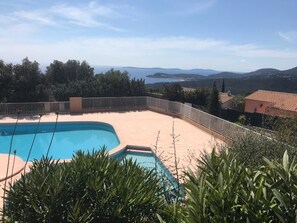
(138, 128)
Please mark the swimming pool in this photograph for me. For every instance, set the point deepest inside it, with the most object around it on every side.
(150, 161)
(68, 138)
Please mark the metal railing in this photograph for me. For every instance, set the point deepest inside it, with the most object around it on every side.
(95, 104)
(34, 107)
(113, 103)
(213, 123)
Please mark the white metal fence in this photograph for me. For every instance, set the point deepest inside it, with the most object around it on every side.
(213, 123)
(113, 103)
(34, 107)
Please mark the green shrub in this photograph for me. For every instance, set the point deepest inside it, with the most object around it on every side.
(224, 190)
(286, 130)
(251, 148)
(241, 120)
(212, 192)
(90, 188)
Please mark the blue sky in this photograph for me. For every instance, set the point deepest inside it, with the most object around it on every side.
(233, 35)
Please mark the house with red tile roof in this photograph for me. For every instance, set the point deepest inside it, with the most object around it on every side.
(226, 100)
(272, 103)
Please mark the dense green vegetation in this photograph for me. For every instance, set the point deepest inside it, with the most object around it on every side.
(181, 77)
(204, 98)
(175, 92)
(244, 85)
(214, 106)
(26, 83)
(250, 148)
(90, 188)
(224, 190)
(286, 130)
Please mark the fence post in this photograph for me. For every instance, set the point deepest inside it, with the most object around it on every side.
(61, 106)
(75, 104)
(47, 107)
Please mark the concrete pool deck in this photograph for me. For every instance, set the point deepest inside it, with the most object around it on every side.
(137, 128)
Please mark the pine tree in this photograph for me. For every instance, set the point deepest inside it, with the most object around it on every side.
(223, 86)
(214, 102)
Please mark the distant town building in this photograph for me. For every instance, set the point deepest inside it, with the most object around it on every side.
(226, 100)
(272, 103)
(188, 89)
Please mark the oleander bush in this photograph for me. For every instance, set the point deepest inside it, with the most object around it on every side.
(90, 188)
(225, 190)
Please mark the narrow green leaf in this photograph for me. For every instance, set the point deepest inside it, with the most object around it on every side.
(286, 161)
(278, 196)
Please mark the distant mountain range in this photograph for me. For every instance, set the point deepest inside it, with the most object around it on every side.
(144, 73)
(190, 75)
(239, 83)
(154, 70)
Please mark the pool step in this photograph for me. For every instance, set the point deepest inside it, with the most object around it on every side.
(141, 149)
(138, 151)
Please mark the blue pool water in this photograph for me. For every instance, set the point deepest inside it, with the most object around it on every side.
(150, 161)
(68, 138)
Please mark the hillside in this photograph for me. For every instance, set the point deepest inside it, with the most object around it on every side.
(266, 79)
(225, 75)
(150, 71)
(264, 71)
(183, 77)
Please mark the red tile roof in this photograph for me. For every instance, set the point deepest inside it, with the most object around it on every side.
(224, 97)
(279, 100)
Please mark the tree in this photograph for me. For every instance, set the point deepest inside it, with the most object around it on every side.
(223, 85)
(238, 103)
(29, 83)
(86, 72)
(55, 73)
(201, 96)
(6, 81)
(197, 97)
(25, 82)
(64, 73)
(214, 106)
(137, 87)
(173, 92)
(114, 83)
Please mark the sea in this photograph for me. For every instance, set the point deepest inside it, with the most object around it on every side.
(142, 73)
(138, 73)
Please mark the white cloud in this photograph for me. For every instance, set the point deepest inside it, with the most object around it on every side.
(290, 36)
(81, 15)
(39, 17)
(180, 52)
(255, 51)
(89, 15)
